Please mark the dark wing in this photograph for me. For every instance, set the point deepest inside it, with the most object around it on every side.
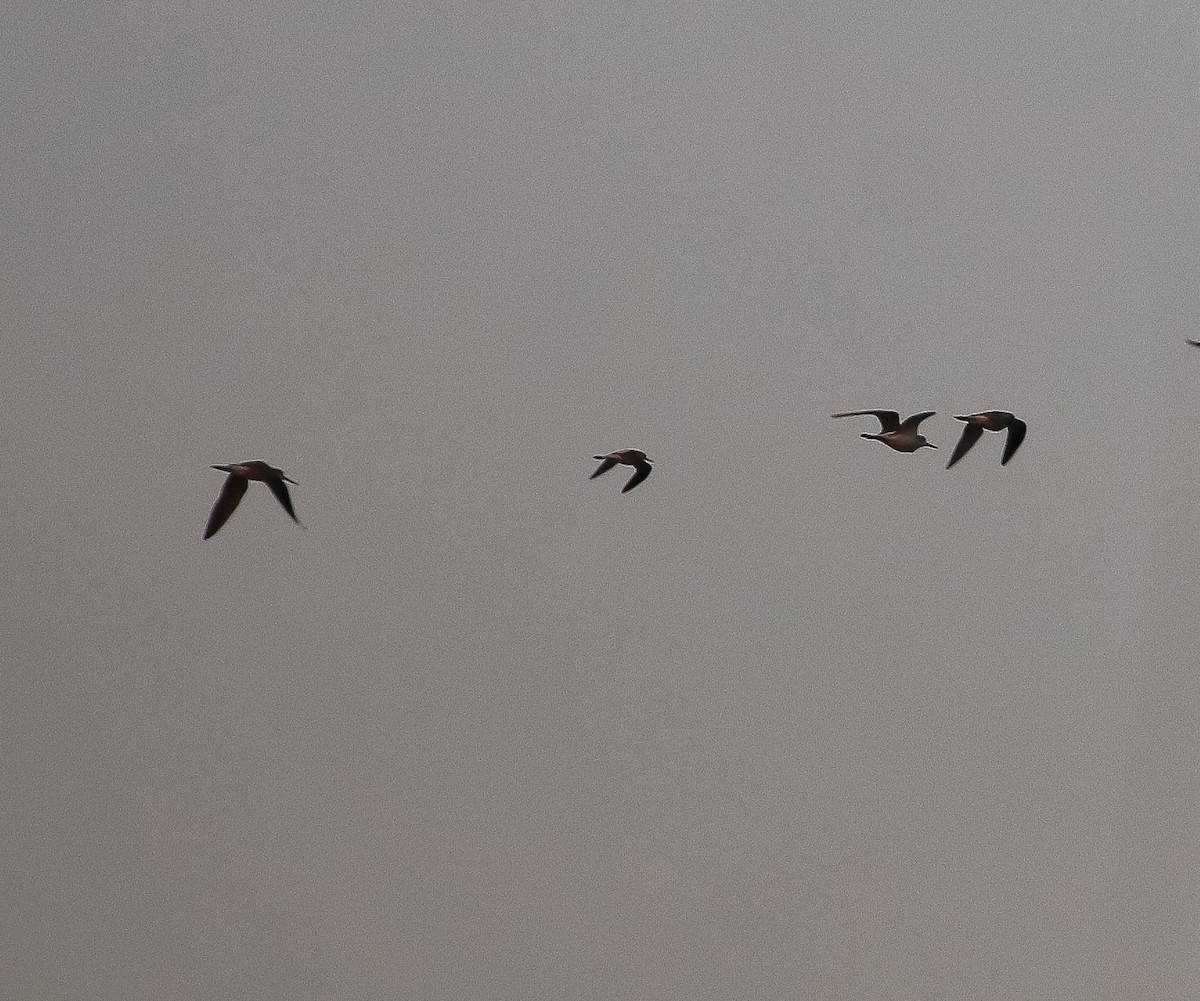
(1016, 435)
(228, 499)
(605, 465)
(280, 490)
(889, 420)
(641, 471)
(971, 434)
(913, 422)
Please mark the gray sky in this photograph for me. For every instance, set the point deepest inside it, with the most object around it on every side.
(800, 717)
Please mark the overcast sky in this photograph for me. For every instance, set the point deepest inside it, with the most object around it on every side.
(799, 717)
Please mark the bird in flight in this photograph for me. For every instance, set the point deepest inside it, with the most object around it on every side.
(626, 457)
(240, 475)
(989, 420)
(897, 434)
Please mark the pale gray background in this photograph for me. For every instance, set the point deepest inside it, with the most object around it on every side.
(800, 717)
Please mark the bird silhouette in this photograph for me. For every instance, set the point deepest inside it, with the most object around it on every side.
(234, 487)
(897, 434)
(625, 457)
(989, 420)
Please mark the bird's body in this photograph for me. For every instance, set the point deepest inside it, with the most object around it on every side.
(893, 432)
(989, 420)
(625, 457)
(234, 487)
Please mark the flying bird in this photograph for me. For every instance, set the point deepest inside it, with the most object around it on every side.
(234, 487)
(989, 420)
(626, 457)
(897, 434)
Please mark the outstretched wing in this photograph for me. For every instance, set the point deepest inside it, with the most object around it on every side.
(971, 434)
(913, 422)
(232, 491)
(606, 463)
(889, 420)
(1016, 435)
(640, 473)
(280, 490)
